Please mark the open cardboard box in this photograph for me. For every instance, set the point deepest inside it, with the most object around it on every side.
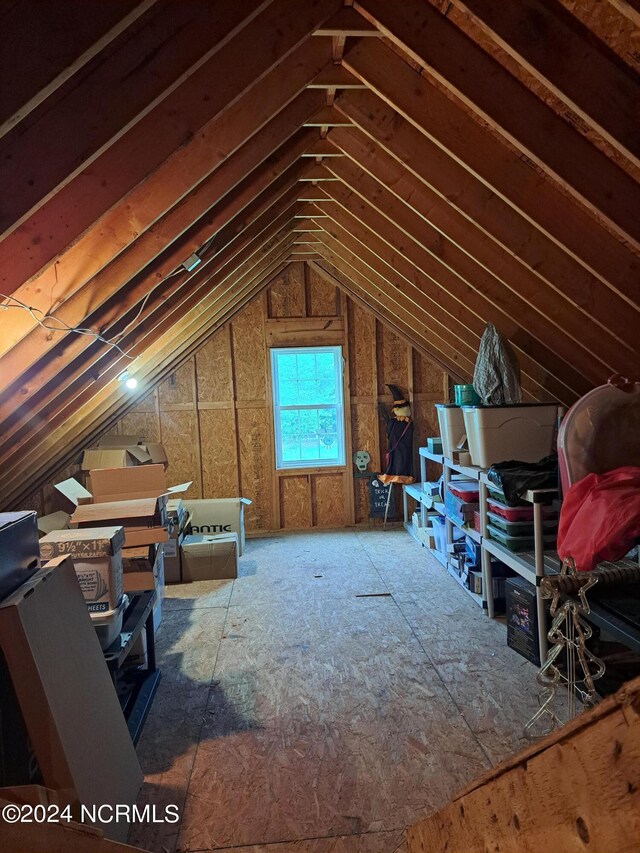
(109, 485)
(145, 452)
(142, 518)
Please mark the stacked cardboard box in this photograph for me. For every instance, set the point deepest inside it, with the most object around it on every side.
(216, 538)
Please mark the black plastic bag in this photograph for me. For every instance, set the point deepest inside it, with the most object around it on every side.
(515, 477)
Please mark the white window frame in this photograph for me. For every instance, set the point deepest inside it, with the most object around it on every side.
(339, 462)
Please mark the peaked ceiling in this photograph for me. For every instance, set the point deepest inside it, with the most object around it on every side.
(445, 163)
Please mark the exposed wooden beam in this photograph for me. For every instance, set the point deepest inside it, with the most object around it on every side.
(565, 61)
(323, 148)
(336, 77)
(307, 226)
(327, 117)
(629, 8)
(162, 54)
(18, 394)
(78, 381)
(97, 266)
(563, 335)
(460, 311)
(490, 93)
(158, 162)
(319, 173)
(347, 22)
(108, 403)
(29, 74)
(495, 190)
(358, 287)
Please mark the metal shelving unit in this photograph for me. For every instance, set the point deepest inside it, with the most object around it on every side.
(531, 565)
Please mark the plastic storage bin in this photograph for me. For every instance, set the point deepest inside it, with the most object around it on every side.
(519, 543)
(465, 490)
(500, 433)
(440, 534)
(517, 513)
(108, 625)
(452, 429)
(520, 528)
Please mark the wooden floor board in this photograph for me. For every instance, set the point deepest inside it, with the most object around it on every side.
(341, 688)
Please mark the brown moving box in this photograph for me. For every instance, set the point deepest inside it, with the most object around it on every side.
(142, 519)
(71, 711)
(142, 567)
(148, 481)
(54, 521)
(113, 458)
(210, 557)
(154, 451)
(96, 555)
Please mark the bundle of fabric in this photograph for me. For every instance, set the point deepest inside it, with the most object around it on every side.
(600, 518)
(496, 376)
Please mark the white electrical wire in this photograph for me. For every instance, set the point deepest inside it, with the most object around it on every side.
(64, 327)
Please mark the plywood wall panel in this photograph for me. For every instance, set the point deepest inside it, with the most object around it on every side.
(327, 500)
(286, 296)
(428, 378)
(363, 430)
(214, 369)
(256, 466)
(179, 439)
(361, 351)
(249, 352)
(147, 404)
(391, 359)
(322, 296)
(178, 387)
(229, 377)
(144, 424)
(219, 453)
(294, 502)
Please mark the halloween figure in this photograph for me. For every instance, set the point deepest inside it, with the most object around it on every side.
(399, 457)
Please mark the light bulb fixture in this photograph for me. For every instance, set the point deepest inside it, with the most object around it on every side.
(131, 383)
(122, 377)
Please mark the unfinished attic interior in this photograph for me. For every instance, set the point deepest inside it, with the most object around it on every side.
(319, 426)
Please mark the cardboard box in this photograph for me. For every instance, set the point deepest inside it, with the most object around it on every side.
(53, 521)
(93, 543)
(219, 515)
(142, 568)
(97, 560)
(155, 452)
(113, 458)
(148, 481)
(70, 709)
(19, 553)
(172, 549)
(142, 519)
(210, 557)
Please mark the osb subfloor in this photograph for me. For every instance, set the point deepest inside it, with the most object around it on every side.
(343, 687)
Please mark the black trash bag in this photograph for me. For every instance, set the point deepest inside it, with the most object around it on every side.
(515, 477)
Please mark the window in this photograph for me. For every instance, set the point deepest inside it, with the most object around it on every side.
(307, 406)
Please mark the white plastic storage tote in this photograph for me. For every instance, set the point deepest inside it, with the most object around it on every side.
(452, 429)
(500, 433)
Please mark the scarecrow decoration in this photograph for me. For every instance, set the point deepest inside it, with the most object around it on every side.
(399, 457)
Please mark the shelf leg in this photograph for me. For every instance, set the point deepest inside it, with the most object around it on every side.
(487, 571)
(539, 558)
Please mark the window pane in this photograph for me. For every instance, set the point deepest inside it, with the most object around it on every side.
(309, 445)
(287, 366)
(307, 386)
(289, 423)
(288, 392)
(290, 449)
(307, 392)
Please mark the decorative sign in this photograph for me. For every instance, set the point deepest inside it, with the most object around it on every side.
(378, 495)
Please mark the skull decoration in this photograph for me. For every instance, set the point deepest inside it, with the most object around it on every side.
(361, 459)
